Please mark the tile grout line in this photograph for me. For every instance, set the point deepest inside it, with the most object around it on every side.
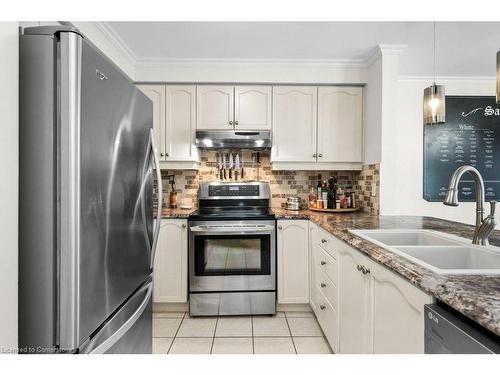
(253, 343)
(176, 332)
(289, 330)
(213, 338)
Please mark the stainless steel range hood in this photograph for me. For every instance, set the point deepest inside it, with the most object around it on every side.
(233, 139)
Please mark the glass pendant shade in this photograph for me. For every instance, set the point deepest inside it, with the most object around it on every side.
(498, 77)
(434, 105)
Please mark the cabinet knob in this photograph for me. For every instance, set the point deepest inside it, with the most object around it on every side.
(236, 123)
(161, 154)
(323, 263)
(365, 270)
(231, 123)
(323, 240)
(323, 285)
(166, 154)
(322, 307)
(314, 155)
(359, 267)
(280, 227)
(184, 225)
(320, 155)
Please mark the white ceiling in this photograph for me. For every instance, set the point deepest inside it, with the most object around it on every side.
(463, 48)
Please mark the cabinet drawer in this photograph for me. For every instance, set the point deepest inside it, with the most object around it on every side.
(326, 263)
(325, 240)
(328, 320)
(327, 287)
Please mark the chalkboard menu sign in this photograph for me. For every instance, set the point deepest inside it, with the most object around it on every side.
(470, 136)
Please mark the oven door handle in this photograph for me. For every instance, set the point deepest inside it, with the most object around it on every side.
(232, 230)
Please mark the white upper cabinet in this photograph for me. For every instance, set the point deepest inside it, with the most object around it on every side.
(180, 123)
(294, 124)
(157, 95)
(340, 124)
(293, 261)
(215, 106)
(252, 107)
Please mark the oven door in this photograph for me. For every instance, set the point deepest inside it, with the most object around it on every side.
(232, 256)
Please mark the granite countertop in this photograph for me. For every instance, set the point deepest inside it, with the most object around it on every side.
(176, 213)
(477, 297)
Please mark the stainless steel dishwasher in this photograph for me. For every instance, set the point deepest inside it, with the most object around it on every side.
(448, 332)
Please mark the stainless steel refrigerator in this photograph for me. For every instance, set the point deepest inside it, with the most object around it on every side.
(87, 236)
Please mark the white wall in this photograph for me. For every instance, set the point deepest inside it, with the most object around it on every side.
(9, 163)
(402, 183)
(249, 72)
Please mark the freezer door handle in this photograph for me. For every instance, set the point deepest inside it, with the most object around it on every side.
(120, 332)
(159, 184)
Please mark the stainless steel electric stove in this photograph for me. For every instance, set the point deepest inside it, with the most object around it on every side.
(232, 250)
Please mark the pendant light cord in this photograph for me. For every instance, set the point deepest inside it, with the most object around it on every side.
(434, 63)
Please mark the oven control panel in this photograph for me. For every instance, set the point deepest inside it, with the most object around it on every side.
(233, 190)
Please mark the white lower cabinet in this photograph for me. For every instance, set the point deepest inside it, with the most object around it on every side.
(380, 312)
(324, 283)
(293, 261)
(170, 275)
(355, 329)
(362, 306)
(397, 313)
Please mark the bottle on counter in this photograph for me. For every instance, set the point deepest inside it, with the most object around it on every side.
(332, 193)
(319, 188)
(312, 197)
(349, 196)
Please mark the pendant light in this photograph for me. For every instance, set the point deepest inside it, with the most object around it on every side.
(498, 77)
(434, 98)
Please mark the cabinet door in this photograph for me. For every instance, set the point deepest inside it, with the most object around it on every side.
(215, 105)
(170, 268)
(293, 261)
(294, 123)
(180, 123)
(397, 313)
(355, 328)
(157, 95)
(340, 124)
(252, 107)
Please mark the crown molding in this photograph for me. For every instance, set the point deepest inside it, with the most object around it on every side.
(385, 50)
(112, 36)
(444, 78)
(272, 63)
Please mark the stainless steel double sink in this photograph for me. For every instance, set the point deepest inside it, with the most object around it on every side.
(439, 252)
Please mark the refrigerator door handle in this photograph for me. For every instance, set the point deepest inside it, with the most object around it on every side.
(120, 332)
(159, 184)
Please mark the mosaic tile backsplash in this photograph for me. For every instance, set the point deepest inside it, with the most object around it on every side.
(283, 183)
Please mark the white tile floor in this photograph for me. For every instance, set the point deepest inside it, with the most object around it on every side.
(285, 333)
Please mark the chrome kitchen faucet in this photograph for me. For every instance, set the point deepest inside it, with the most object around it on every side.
(484, 227)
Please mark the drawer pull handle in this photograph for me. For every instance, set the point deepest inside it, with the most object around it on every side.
(322, 307)
(323, 285)
(323, 263)
(323, 240)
